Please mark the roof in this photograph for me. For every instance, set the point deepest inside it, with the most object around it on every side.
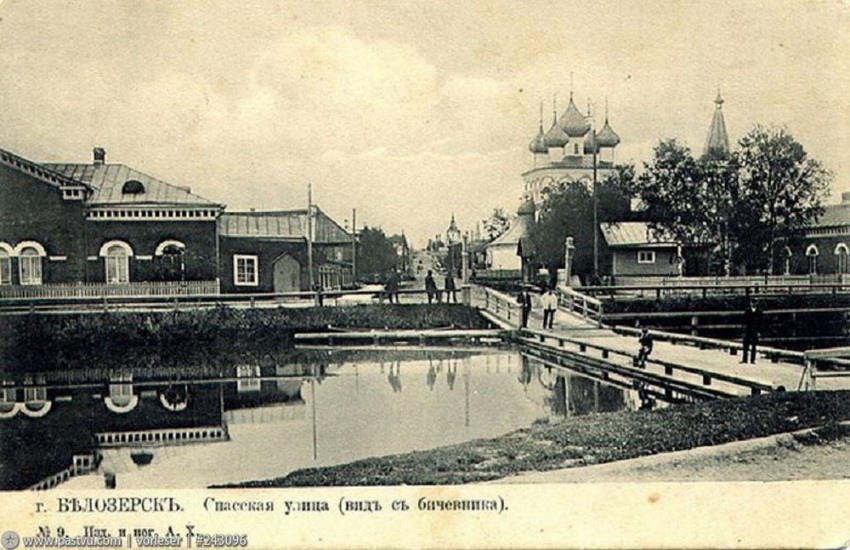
(518, 230)
(631, 234)
(607, 137)
(835, 215)
(107, 182)
(287, 224)
(718, 139)
(573, 122)
(39, 171)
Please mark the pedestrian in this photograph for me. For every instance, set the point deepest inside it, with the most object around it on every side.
(524, 300)
(392, 286)
(430, 287)
(451, 289)
(645, 341)
(550, 305)
(752, 330)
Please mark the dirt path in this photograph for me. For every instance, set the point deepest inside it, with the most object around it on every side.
(782, 462)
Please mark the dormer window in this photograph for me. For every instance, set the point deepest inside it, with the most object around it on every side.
(133, 187)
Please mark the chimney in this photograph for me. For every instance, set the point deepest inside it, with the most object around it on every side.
(99, 155)
(845, 198)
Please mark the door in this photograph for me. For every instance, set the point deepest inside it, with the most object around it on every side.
(287, 274)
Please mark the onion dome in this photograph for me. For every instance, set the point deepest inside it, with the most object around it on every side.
(607, 137)
(590, 144)
(538, 144)
(555, 137)
(573, 122)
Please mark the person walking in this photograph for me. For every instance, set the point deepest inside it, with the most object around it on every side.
(451, 289)
(752, 330)
(550, 305)
(524, 300)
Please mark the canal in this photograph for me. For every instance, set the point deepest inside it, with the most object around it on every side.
(157, 425)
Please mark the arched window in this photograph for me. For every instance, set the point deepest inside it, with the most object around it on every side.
(30, 254)
(841, 252)
(787, 263)
(812, 255)
(171, 260)
(116, 256)
(6, 253)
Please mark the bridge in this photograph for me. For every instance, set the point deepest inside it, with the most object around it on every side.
(680, 367)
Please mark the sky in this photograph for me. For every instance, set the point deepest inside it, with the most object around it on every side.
(405, 111)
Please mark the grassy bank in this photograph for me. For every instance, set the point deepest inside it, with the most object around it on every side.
(580, 441)
(50, 339)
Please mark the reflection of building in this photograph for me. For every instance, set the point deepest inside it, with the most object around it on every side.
(65, 226)
(50, 433)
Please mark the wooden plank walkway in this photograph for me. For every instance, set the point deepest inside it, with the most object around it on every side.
(687, 363)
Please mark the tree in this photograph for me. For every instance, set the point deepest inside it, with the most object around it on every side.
(376, 255)
(741, 207)
(782, 191)
(497, 224)
(567, 210)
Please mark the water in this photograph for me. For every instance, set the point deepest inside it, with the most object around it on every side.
(154, 426)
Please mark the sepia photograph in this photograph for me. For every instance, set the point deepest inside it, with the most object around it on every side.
(454, 267)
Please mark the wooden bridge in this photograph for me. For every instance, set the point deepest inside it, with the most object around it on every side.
(680, 367)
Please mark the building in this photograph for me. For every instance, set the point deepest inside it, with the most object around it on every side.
(570, 151)
(513, 250)
(68, 228)
(824, 248)
(268, 251)
(636, 251)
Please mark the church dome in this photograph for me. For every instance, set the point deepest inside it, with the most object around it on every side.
(590, 144)
(538, 144)
(607, 137)
(573, 122)
(555, 137)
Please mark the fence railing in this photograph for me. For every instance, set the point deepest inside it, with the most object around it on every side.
(580, 304)
(97, 290)
(658, 291)
(835, 358)
(503, 306)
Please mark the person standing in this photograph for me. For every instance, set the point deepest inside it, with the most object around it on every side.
(430, 287)
(752, 330)
(451, 289)
(550, 305)
(524, 300)
(645, 341)
(392, 286)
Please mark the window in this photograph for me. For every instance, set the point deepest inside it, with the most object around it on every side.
(5, 265)
(646, 256)
(841, 258)
(29, 262)
(116, 255)
(245, 270)
(812, 255)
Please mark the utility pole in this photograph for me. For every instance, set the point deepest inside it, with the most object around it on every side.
(595, 212)
(353, 246)
(310, 277)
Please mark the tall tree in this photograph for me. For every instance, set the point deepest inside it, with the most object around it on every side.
(376, 255)
(498, 222)
(567, 211)
(782, 190)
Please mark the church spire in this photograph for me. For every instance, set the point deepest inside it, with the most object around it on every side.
(717, 143)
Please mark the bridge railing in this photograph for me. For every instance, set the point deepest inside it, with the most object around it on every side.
(733, 348)
(580, 304)
(98, 290)
(669, 367)
(837, 359)
(504, 306)
(705, 289)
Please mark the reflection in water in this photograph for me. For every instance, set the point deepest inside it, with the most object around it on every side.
(164, 427)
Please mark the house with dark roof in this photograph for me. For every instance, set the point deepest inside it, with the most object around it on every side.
(825, 247)
(96, 228)
(635, 250)
(268, 251)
